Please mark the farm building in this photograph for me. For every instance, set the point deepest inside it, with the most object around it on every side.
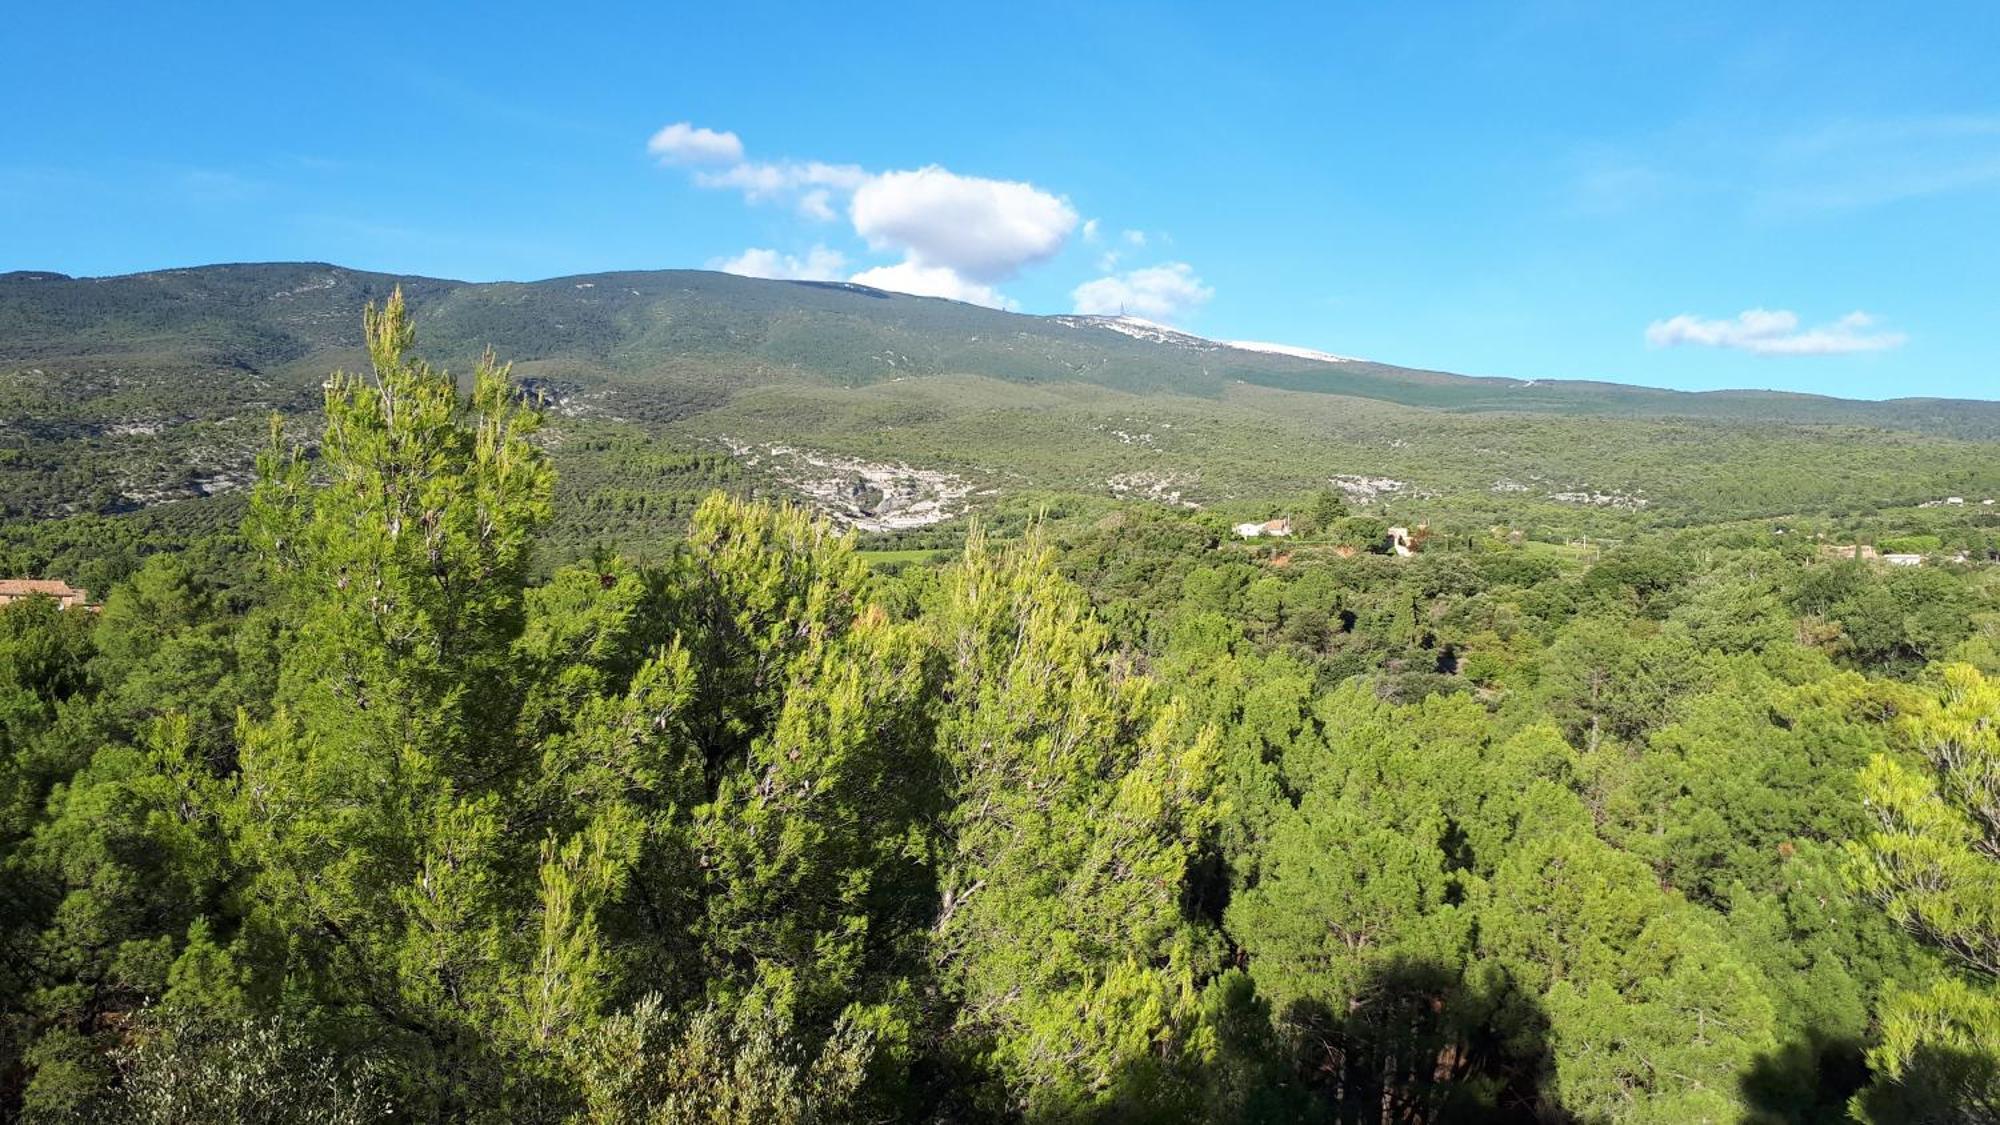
(1277, 527)
(20, 589)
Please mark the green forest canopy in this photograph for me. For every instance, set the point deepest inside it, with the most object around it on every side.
(355, 814)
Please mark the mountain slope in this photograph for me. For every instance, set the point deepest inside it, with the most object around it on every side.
(258, 315)
(125, 391)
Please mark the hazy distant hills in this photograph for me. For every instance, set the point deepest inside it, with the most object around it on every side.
(127, 392)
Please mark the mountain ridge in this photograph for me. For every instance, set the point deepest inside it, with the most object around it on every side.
(140, 389)
(1283, 364)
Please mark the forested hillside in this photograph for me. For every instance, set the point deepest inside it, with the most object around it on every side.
(381, 795)
(149, 393)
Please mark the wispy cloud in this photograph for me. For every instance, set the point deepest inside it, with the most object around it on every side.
(684, 143)
(215, 185)
(1607, 184)
(817, 264)
(1878, 184)
(1805, 172)
(1774, 332)
(1849, 134)
(1164, 292)
(807, 184)
(1856, 164)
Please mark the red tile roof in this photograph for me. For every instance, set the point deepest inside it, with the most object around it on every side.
(28, 587)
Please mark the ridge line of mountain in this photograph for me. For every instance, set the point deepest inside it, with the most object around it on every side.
(1283, 365)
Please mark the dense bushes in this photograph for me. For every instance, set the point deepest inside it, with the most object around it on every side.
(368, 818)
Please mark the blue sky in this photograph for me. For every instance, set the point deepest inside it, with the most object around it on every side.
(1796, 195)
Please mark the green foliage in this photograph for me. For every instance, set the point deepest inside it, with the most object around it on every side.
(1933, 864)
(1930, 861)
(745, 1069)
(1601, 681)
(488, 774)
(1360, 533)
(1910, 544)
(1076, 802)
(195, 1067)
(1939, 1060)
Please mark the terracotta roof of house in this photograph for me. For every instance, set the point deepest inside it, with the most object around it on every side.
(26, 587)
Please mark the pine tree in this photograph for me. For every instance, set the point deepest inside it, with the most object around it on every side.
(1077, 804)
(1933, 864)
(374, 808)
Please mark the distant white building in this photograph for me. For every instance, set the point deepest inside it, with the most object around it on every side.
(1277, 527)
(1399, 542)
(1903, 560)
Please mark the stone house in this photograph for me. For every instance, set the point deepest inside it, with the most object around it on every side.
(66, 595)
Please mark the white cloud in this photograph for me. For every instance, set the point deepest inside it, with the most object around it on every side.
(807, 184)
(986, 230)
(931, 281)
(763, 180)
(819, 264)
(1774, 332)
(817, 205)
(1135, 237)
(1090, 230)
(956, 235)
(682, 143)
(1155, 293)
